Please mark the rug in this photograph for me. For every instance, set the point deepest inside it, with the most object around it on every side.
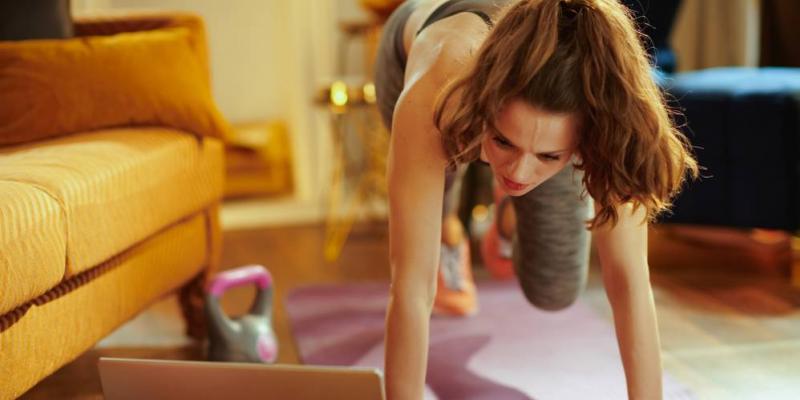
(508, 350)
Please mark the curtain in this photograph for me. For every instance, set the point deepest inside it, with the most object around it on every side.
(780, 31)
(712, 33)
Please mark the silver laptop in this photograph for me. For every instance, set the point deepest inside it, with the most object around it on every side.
(124, 379)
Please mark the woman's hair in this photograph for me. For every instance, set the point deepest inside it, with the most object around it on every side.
(582, 56)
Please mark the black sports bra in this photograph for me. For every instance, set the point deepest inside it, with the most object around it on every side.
(481, 8)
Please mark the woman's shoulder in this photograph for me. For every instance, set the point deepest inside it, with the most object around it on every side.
(443, 50)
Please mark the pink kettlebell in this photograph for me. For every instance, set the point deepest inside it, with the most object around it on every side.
(249, 338)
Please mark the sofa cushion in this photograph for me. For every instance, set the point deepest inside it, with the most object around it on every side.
(51, 88)
(117, 187)
(32, 243)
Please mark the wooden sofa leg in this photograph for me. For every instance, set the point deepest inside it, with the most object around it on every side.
(192, 294)
(192, 301)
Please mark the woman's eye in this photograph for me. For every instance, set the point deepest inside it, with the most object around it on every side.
(547, 157)
(502, 142)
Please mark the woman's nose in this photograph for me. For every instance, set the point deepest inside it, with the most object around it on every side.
(523, 169)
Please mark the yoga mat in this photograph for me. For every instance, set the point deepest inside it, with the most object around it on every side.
(508, 350)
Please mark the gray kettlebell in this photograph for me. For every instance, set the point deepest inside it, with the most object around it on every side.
(249, 338)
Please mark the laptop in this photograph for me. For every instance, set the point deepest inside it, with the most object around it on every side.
(125, 378)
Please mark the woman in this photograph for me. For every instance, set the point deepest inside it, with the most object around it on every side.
(557, 97)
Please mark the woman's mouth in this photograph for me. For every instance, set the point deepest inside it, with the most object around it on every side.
(515, 186)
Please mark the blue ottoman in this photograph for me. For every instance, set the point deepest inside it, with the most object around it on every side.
(745, 124)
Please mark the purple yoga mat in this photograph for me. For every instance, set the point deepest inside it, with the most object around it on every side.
(509, 350)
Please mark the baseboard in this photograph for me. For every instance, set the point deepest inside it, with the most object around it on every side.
(288, 211)
(266, 212)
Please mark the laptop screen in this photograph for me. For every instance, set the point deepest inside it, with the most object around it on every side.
(124, 379)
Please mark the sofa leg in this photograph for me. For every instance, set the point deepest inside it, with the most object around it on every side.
(192, 301)
(192, 294)
(796, 259)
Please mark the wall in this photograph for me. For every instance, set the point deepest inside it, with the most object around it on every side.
(248, 50)
(269, 58)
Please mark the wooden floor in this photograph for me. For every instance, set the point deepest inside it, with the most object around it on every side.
(729, 320)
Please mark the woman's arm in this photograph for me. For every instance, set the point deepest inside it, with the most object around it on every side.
(415, 172)
(623, 257)
(416, 167)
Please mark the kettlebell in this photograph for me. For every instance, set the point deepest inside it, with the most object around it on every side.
(249, 338)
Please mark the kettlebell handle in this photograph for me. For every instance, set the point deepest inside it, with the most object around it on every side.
(241, 276)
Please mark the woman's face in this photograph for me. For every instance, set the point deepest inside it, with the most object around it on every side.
(530, 146)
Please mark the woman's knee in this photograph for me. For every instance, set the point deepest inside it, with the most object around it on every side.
(549, 304)
(553, 295)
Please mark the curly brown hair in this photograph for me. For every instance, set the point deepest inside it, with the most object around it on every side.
(582, 56)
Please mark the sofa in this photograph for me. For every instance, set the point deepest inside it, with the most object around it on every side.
(111, 175)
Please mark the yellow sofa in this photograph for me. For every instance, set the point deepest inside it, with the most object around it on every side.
(96, 225)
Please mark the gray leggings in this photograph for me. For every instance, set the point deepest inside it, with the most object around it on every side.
(551, 245)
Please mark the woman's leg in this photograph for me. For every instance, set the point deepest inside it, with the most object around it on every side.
(456, 292)
(496, 243)
(551, 245)
(452, 229)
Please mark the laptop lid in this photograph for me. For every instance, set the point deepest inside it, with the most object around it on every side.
(124, 379)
